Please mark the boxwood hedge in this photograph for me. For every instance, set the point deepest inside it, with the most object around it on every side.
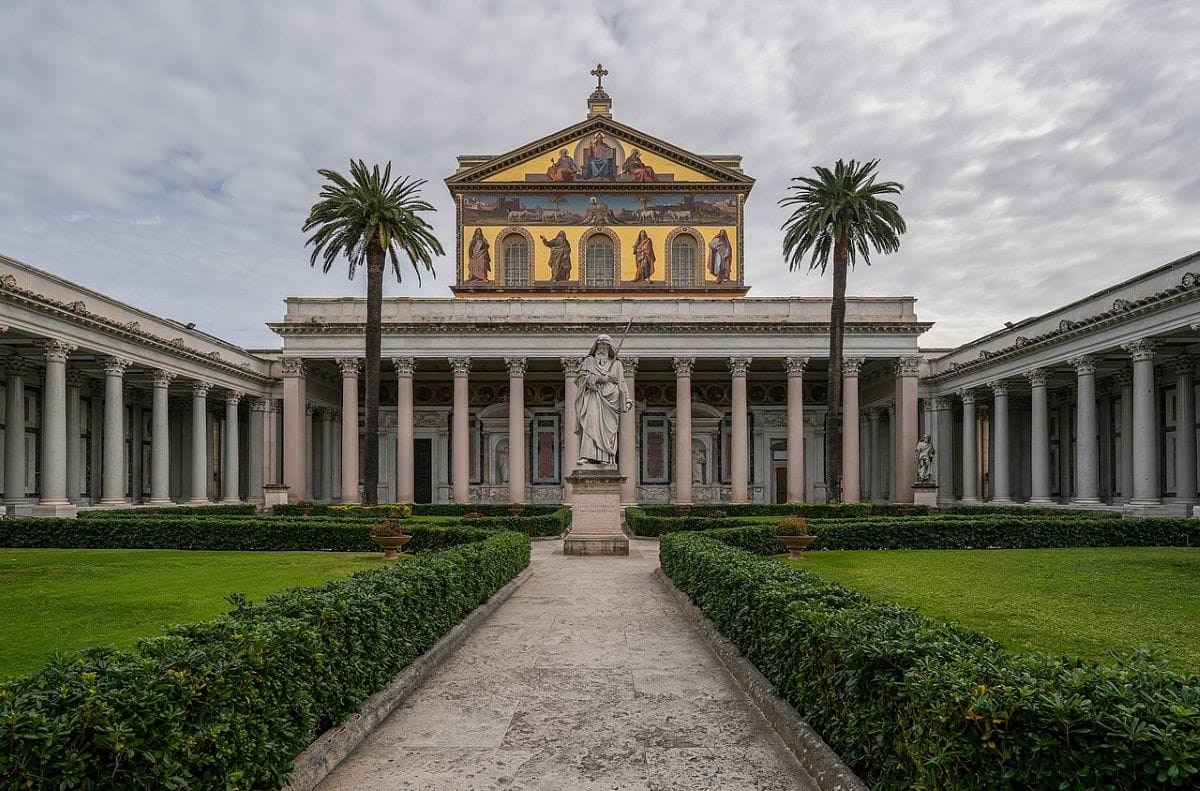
(909, 703)
(228, 703)
(423, 509)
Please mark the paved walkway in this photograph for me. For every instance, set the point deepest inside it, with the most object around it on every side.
(589, 677)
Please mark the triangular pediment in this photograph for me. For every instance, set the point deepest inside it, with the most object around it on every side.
(599, 151)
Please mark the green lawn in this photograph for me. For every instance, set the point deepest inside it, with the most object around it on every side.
(66, 599)
(1086, 602)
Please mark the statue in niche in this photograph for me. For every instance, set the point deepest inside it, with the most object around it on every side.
(634, 166)
(643, 256)
(699, 461)
(720, 256)
(925, 453)
(560, 256)
(480, 262)
(502, 462)
(564, 168)
(601, 399)
(601, 159)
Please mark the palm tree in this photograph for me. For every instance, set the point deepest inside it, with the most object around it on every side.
(371, 218)
(839, 213)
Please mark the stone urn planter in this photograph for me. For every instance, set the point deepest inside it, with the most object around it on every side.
(516, 508)
(389, 537)
(796, 545)
(793, 533)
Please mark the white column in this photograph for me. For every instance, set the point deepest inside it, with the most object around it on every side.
(351, 367)
(970, 474)
(1039, 440)
(1125, 463)
(199, 490)
(1087, 449)
(74, 445)
(406, 483)
(627, 449)
(310, 452)
(54, 500)
(1185, 429)
(516, 428)
(851, 366)
(232, 478)
(295, 451)
(683, 429)
(113, 486)
(256, 424)
(1001, 486)
(739, 436)
(460, 426)
(1145, 424)
(795, 427)
(906, 369)
(1104, 427)
(160, 441)
(570, 443)
(944, 409)
(870, 486)
(327, 417)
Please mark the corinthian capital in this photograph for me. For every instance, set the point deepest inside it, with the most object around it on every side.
(404, 365)
(851, 366)
(14, 366)
(162, 378)
(999, 387)
(795, 365)
(967, 396)
(908, 366)
(516, 365)
(115, 366)
(630, 365)
(1141, 350)
(460, 365)
(56, 350)
(351, 366)
(291, 366)
(570, 365)
(739, 366)
(1084, 364)
(1036, 377)
(683, 365)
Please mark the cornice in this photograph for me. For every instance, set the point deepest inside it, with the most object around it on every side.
(658, 328)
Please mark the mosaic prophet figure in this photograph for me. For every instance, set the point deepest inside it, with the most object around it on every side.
(560, 256)
(640, 171)
(720, 256)
(480, 263)
(601, 399)
(643, 255)
(564, 168)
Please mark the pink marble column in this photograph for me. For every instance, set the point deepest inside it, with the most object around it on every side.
(405, 480)
(351, 367)
(627, 452)
(739, 438)
(516, 428)
(795, 427)
(570, 442)
(683, 429)
(906, 427)
(850, 461)
(295, 416)
(460, 427)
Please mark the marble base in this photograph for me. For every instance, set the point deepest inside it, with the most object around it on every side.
(925, 494)
(596, 512)
(275, 494)
(59, 510)
(19, 509)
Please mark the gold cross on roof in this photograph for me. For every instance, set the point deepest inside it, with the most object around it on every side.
(599, 73)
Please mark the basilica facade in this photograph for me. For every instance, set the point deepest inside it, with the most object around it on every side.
(598, 228)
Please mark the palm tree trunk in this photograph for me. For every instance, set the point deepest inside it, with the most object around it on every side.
(837, 329)
(374, 329)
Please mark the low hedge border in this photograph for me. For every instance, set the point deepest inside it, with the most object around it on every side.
(177, 510)
(421, 509)
(229, 703)
(909, 703)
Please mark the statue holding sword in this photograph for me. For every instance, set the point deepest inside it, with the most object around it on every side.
(601, 398)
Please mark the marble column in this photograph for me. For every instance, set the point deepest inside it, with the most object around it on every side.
(113, 476)
(1087, 449)
(1104, 426)
(311, 481)
(970, 451)
(1039, 439)
(1145, 424)
(516, 428)
(570, 444)
(328, 416)
(54, 501)
(295, 450)
(944, 443)
(160, 439)
(683, 428)
(1185, 429)
(905, 466)
(739, 436)
(256, 440)
(870, 486)
(406, 483)
(75, 380)
(851, 366)
(460, 427)
(15, 369)
(1124, 379)
(199, 489)
(351, 367)
(231, 479)
(795, 427)
(627, 451)
(1001, 486)
(889, 481)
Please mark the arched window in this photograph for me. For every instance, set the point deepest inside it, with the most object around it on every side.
(683, 261)
(517, 268)
(600, 270)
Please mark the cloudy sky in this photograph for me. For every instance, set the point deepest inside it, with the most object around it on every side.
(166, 152)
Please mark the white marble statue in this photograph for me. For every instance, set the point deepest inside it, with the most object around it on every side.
(601, 399)
(925, 454)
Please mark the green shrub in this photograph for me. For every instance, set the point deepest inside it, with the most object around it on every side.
(1033, 510)
(390, 511)
(541, 526)
(425, 509)
(808, 510)
(229, 703)
(178, 510)
(909, 703)
(644, 525)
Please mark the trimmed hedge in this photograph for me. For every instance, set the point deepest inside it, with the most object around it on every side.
(542, 526)
(265, 534)
(643, 525)
(807, 510)
(909, 703)
(423, 509)
(178, 510)
(228, 703)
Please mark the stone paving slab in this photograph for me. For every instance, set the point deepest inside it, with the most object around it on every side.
(589, 677)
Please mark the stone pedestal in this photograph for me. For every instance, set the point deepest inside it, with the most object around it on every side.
(57, 510)
(925, 494)
(275, 494)
(595, 512)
